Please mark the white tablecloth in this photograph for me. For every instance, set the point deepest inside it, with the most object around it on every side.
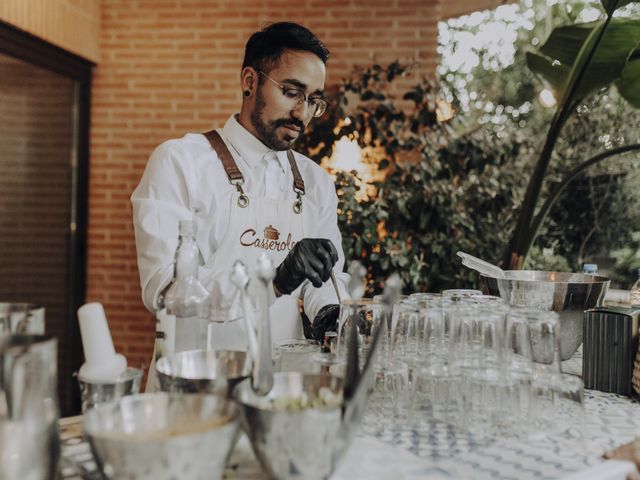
(438, 451)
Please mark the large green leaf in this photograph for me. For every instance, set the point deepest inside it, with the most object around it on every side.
(629, 84)
(564, 43)
(611, 5)
(553, 74)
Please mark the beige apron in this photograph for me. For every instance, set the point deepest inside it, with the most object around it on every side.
(256, 225)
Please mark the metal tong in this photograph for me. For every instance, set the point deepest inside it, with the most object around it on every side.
(357, 383)
(240, 278)
(262, 375)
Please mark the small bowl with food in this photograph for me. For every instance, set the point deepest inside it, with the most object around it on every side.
(297, 430)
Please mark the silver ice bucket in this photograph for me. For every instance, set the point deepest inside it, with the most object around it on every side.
(569, 294)
(94, 393)
(292, 442)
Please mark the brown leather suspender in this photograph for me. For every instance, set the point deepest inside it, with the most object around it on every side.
(236, 178)
(298, 183)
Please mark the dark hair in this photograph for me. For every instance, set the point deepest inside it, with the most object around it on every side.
(265, 47)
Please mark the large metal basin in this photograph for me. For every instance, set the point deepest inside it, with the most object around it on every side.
(569, 294)
(162, 436)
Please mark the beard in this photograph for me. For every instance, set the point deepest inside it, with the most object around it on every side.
(267, 130)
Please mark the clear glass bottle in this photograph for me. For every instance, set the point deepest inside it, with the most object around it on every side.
(635, 292)
(186, 298)
(590, 269)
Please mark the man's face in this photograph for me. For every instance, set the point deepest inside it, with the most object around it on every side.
(276, 118)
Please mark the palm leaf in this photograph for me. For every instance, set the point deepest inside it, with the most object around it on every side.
(562, 47)
(612, 5)
(629, 84)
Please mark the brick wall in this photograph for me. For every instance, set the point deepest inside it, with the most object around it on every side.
(169, 67)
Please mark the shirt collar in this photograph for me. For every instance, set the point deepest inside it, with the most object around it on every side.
(249, 147)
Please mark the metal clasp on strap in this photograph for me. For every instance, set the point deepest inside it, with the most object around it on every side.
(298, 183)
(297, 205)
(243, 200)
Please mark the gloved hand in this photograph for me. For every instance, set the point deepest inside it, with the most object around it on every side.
(326, 321)
(310, 258)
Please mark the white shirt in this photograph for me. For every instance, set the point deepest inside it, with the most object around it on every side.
(185, 180)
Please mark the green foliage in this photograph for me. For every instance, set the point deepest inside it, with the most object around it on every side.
(555, 59)
(600, 209)
(627, 262)
(547, 260)
(443, 192)
(580, 59)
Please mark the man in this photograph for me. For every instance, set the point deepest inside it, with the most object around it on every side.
(248, 193)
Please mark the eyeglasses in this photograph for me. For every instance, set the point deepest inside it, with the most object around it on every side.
(317, 105)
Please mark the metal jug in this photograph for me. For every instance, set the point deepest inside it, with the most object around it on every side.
(29, 411)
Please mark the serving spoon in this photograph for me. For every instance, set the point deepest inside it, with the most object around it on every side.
(482, 266)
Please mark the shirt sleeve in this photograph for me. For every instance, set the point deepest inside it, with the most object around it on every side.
(159, 203)
(327, 227)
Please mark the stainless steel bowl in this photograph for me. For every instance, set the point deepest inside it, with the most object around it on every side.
(569, 294)
(160, 436)
(305, 444)
(203, 371)
(95, 393)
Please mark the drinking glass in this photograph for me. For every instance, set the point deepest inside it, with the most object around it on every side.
(569, 400)
(436, 334)
(226, 328)
(328, 363)
(389, 402)
(407, 333)
(369, 318)
(295, 355)
(545, 338)
(519, 369)
(457, 294)
(427, 300)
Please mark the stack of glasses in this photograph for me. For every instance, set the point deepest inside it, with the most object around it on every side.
(469, 360)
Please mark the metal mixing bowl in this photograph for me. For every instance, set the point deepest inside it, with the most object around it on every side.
(95, 393)
(203, 371)
(160, 436)
(305, 444)
(569, 294)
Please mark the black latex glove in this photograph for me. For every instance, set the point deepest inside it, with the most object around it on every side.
(310, 258)
(326, 321)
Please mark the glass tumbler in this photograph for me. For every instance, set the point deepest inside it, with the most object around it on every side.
(368, 315)
(390, 400)
(295, 355)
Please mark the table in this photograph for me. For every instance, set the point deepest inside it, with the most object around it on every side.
(436, 450)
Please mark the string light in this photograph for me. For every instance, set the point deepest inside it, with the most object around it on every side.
(547, 99)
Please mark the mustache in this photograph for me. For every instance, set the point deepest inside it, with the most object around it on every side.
(289, 122)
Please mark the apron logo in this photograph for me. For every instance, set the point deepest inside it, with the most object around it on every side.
(269, 241)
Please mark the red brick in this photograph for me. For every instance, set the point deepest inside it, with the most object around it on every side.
(172, 66)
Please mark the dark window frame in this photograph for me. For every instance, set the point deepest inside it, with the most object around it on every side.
(27, 47)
